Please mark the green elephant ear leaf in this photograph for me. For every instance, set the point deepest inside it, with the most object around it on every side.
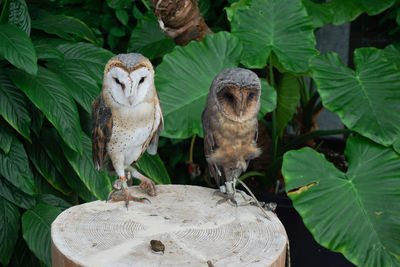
(392, 53)
(153, 167)
(17, 48)
(289, 97)
(6, 137)
(283, 28)
(51, 96)
(9, 225)
(267, 98)
(350, 212)
(36, 225)
(364, 105)
(183, 80)
(148, 39)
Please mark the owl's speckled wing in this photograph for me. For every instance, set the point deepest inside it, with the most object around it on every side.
(210, 144)
(153, 145)
(102, 124)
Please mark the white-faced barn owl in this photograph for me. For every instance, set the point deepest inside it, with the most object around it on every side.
(230, 127)
(126, 121)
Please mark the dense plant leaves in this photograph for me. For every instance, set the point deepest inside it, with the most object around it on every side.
(44, 166)
(153, 167)
(350, 212)
(82, 70)
(17, 48)
(22, 256)
(52, 200)
(396, 145)
(97, 182)
(288, 99)
(36, 225)
(184, 77)
(64, 26)
(267, 98)
(9, 225)
(14, 166)
(119, 4)
(51, 142)
(367, 99)
(45, 51)
(14, 195)
(122, 16)
(283, 28)
(147, 38)
(37, 118)
(19, 15)
(51, 96)
(6, 137)
(13, 106)
(318, 12)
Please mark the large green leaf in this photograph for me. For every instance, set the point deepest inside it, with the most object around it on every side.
(14, 195)
(51, 96)
(45, 167)
(51, 142)
(64, 26)
(15, 168)
(19, 15)
(319, 13)
(17, 48)
(9, 225)
(148, 39)
(282, 27)
(368, 99)
(13, 106)
(36, 225)
(97, 182)
(348, 10)
(6, 137)
(288, 99)
(354, 213)
(153, 167)
(45, 51)
(392, 53)
(82, 70)
(22, 256)
(184, 77)
(267, 98)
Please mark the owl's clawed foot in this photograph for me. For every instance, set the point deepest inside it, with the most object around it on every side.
(120, 192)
(149, 186)
(227, 197)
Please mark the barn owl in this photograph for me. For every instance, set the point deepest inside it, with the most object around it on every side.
(230, 127)
(126, 121)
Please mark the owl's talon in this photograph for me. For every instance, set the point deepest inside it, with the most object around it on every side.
(229, 198)
(149, 186)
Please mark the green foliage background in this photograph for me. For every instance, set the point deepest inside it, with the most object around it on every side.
(52, 55)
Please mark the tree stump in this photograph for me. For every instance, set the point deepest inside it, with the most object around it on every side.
(194, 230)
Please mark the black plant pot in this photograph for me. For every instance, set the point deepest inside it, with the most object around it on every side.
(304, 250)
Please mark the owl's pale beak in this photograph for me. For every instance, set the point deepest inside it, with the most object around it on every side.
(130, 98)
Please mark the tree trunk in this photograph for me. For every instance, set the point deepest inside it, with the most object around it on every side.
(194, 231)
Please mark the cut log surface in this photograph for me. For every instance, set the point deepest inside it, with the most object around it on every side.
(186, 219)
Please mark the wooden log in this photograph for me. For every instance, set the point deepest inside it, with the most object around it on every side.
(194, 230)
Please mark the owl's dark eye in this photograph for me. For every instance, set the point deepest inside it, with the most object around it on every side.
(119, 82)
(142, 80)
(251, 96)
(229, 97)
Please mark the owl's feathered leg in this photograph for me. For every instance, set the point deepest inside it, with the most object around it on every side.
(146, 183)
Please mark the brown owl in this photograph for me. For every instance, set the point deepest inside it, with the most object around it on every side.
(230, 126)
(126, 121)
